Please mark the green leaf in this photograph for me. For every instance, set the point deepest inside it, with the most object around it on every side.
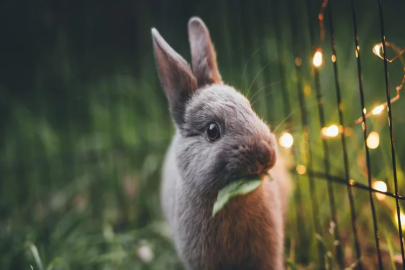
(234, 189)
(35, 254)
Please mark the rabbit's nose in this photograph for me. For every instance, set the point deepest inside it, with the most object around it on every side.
(265, 156)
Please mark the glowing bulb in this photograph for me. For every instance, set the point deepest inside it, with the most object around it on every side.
(376, 49)
(373, 140)
(378, 109)
(331, 131)
(286, 140)
(317, 61)
(301, 169)
(380, 186)
(307, 90)
(402, 217)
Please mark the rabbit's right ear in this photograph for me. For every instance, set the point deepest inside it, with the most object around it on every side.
(203, 54)
(175, 75)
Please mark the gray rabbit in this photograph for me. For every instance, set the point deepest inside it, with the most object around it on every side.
(218, 139)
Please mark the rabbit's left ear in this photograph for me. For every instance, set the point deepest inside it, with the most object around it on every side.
(204, 58)
(175, 75)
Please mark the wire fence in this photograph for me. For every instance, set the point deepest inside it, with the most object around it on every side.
(326, 175)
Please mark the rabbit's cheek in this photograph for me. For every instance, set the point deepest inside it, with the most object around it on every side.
(273, 159)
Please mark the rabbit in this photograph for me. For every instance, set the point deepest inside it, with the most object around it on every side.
(218, 139)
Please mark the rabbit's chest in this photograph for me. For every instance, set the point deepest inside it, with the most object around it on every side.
(246, 234)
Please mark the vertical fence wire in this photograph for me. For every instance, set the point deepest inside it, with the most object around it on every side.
(339, 251)
(346, 161)
(287, 109)
(343, 141)
(305, 129)
(394, 166)
(364, 126)
(341, 124)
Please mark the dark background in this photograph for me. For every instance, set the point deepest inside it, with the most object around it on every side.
(84, 124)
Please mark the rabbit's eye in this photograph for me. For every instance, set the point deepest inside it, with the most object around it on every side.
(213, 132)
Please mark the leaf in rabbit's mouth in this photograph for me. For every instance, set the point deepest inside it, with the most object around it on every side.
(240, 187)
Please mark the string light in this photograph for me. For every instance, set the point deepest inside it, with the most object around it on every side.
(380, 186)
(378, 109)
(330, 132)
(373, 140)
(301, 169)
(286, 140)
(377, 50)
(321, 21)
(317, 61)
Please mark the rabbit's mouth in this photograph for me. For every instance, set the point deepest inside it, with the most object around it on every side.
(248, 177)
(236, 178)
(252, 177)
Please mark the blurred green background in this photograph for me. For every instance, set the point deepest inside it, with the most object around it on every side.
(84, 124)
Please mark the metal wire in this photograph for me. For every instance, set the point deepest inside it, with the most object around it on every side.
(301, 228)
(394, 166)
(325, 147)
(345, 156)
(340, 180)
(364, 125)
(305, 129)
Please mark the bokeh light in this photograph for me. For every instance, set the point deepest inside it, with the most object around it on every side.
(380, 186)
(378, 109)
(317, 61)
(331, 131)
(376, 49)
(373, 140)
(301, 169)
(286, 140)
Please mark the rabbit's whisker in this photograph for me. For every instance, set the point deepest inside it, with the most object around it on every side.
(261, 89)
(266, 95)
(283, 120)
(244, 68)
(258, 73)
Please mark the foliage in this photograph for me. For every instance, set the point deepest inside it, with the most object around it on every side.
(238, 188)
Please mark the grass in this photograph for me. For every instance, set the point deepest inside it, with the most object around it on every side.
(85, 127)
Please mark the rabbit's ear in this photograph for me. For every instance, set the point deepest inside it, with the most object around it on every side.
(203, 54)
(175, 75)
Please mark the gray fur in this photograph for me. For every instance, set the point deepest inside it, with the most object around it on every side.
(249, 232)
(203, 54)
(175, 76)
